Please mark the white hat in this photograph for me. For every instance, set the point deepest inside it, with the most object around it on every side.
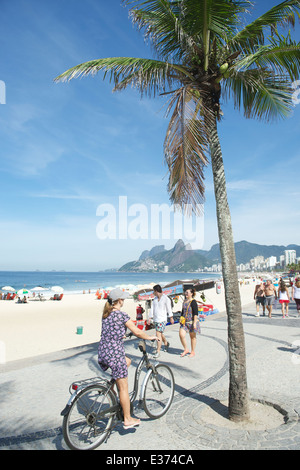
(118, 293)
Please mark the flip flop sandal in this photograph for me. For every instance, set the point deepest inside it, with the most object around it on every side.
(130, 426)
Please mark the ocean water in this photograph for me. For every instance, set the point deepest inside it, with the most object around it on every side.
(77, 282)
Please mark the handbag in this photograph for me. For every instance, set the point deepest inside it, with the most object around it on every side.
(182, 319)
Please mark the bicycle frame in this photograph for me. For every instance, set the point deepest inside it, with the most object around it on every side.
(116, 408)
(150, 369)
(94, 408)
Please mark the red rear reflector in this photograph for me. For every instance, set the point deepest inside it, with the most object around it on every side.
(74, 387)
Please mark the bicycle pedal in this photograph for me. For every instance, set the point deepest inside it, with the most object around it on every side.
(139, 405)
(107, 436)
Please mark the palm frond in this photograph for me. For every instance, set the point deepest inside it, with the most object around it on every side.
(221, 16)
(211, 23)
(254, 34)
(185, 148)
(148, 75)
(260, 93)
(283, 59)
(161, 22)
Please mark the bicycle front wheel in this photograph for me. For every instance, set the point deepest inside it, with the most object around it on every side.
(159, 391)
(89, 419)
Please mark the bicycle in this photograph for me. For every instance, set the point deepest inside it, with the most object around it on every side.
(93, 409)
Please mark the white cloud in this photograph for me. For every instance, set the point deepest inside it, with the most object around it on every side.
(242, 185)
(57, 194)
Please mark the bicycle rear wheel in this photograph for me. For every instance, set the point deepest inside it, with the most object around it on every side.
(89, 418)
(159, 391)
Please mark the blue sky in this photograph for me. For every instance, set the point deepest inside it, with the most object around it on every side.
(67, 148)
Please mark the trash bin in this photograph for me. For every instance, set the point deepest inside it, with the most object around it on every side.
(79, 330)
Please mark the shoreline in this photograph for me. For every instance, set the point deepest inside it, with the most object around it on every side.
(37, 328)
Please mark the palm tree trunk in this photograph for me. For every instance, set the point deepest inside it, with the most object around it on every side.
(238, 391)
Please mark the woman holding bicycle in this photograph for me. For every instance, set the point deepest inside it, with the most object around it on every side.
(111, 352)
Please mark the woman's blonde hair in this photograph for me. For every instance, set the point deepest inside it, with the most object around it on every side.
(108, 308)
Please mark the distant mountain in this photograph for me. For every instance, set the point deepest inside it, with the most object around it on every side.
(245, 251)
(181, 258)
(154, 251)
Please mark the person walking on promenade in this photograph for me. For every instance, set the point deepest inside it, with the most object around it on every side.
(296, 294)
(160, 310)
(284, 299)
(270, 296)
(139, 313)
(111, 352)
(259, 297)
(189, 322)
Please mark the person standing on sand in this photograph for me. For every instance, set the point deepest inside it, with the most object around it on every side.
(259, 297)
(270, 293)
(160, 310)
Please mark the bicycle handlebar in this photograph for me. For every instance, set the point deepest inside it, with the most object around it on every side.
(129, 335)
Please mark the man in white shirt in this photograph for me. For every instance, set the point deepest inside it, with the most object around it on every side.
(160, 310)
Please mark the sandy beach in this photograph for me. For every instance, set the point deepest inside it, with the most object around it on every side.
(38, 327)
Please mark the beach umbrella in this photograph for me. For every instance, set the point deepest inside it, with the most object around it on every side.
(57, 289)
(39, 288)
(131, 287)
(23, 292)
(8, 288)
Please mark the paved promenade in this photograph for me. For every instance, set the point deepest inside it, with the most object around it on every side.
(34, 391)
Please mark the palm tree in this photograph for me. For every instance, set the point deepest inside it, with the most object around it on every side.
(204, 52)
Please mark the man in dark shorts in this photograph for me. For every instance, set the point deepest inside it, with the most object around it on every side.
(259, 297)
